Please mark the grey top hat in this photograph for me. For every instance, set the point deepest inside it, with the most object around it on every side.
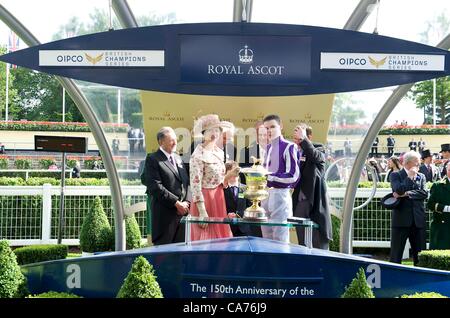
(445, 147)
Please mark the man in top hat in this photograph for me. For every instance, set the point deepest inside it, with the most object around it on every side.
(390, 145)
(439, 204)
(430, 171)
(408, 217)
(445, 151)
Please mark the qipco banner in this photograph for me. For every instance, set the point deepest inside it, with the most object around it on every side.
(237, 59)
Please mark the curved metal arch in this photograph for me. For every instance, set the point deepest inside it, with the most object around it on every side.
(238, 9)
(86, 110)
(380, 119)
(124, 14)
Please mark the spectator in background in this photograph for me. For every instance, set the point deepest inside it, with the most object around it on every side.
(141, 140)
(115, 146)
(421, 145)
(394, 165)
(2, 148)
(375, 147)
(53, 166)
(412, 145)
(95, 165)
(76, 171)
(430, 171)
(372, 162)
(131, 139)
(445, 153)
(348, 147)
(390, 145)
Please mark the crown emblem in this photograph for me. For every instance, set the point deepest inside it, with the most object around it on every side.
(166, 114)
(245, 55)
(307, 116)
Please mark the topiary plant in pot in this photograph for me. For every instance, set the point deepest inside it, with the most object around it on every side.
(358, 288)
(96, 234)
(140, 281)
(12, 282)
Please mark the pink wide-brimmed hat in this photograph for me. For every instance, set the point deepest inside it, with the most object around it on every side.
(208, 122)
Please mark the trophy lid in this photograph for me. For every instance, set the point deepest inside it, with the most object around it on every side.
(256, 169)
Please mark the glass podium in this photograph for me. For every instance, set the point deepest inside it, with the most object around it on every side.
(292, 222)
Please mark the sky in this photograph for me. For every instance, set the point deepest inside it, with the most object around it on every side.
(404, 19)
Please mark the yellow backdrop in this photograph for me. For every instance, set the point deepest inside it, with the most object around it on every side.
(179, 111)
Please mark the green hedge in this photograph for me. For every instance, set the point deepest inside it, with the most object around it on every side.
(58, 126)
(53, 294)
(437, 259)
(414, 131)
(38, 181)
(40, 253)
(336, 226)
(424, 295)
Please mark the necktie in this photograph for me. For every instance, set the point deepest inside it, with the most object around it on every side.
(171, 161)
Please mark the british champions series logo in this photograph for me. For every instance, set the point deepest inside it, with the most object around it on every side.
(246, 59)
(381, 62)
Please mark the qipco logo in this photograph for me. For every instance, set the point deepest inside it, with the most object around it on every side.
(69, 58)
(352, 61)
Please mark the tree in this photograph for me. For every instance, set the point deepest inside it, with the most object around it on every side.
(343, 113)
(40, 97)
(422, 93)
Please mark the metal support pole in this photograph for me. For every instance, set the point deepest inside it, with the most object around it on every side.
(61, 199)
(64, 105)
(434, 102)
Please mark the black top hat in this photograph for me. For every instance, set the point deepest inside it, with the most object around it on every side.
(426, 154)
(389, 202)
(445, 147)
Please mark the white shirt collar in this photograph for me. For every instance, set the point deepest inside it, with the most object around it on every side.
(165, 152)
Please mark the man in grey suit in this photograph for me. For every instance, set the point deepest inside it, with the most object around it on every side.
(168, 184)
(408, 217)
(309, 199)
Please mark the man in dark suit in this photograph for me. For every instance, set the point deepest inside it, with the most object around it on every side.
(257, 148)
(168, 184)
(390, 145)
(408, 217)
(375, 147)
(445, 152)
(310, 197)
(427, 168)
(412, 145)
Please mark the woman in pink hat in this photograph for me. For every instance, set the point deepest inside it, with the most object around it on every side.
(207, 175)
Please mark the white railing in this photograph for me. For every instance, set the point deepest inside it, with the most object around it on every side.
(29, 214)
